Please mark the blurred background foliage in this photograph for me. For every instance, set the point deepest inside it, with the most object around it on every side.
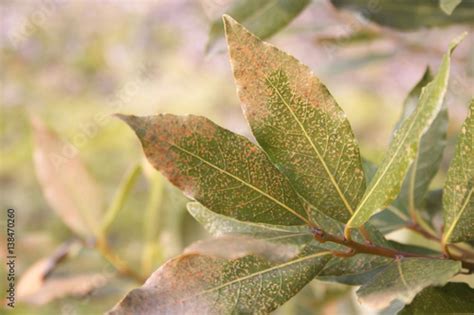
(68, 66)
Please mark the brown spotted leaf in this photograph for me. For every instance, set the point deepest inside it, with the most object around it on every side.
(195, 283)
(297, 122)
(458, 196)
(223, 171)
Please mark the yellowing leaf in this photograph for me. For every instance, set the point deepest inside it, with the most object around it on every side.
(67, 185)
(298, 123)
(196, 283)
(458, 196)
(224, 171)
(386, 183)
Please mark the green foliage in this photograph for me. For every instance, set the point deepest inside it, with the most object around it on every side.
(264, 17)
(452, 298)
(412, 14)
(296, 208)
(458, 197)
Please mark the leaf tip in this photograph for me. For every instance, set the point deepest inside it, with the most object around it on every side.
(456, 41)
(138, 124)
(229, 24)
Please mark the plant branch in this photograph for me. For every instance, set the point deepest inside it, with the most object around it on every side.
(358, 248)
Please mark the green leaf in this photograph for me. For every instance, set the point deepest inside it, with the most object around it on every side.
(224, 171)
(404, 278)
(458, 196)
(450, 299)
(430, 152)
(297, 122)
(264, 17)
(214, 285)
(59, 169)
(386, 184)
(217, 225)
(448, 6)
(409, 14)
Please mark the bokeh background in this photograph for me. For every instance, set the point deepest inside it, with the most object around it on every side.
(67, 66)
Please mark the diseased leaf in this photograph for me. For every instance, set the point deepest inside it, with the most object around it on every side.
(430, 152)
(67, 185)
(298, 123)
(217, 225)
(223, 171)
(448, 6)
(404, 278)
(458, 196)
(409, 14)
(264, 17)
(450, 299)
(213, 285)
(386, 184)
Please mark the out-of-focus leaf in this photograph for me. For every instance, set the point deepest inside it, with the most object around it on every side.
(213, 285)
(386, 184)
(359, 36)
(448, 6)
(60, 287)
(264, 17)
(120, 197)
(217, 225)
(33, 279)
(409, 14)
(452, 298)
(404, 278)
(224, 171)
(430, 152)
(67, 185)
(458, 196)
(297, 122)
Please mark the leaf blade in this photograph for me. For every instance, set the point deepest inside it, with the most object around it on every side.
(386, 184)
(404, 278)
(217, 225)
(452, 298)
(297, 122)
(248, 284)
(458, 196)
(79, 206)
(222, 170)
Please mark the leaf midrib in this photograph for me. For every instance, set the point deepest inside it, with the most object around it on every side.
(323, 162)
(243, 182)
